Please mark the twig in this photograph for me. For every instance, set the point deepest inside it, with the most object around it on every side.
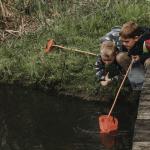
(21, 27)
(2, 8)
(12, 32)
(108, 4)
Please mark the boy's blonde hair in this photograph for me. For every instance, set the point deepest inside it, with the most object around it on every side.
(130, 30)
(108, 48)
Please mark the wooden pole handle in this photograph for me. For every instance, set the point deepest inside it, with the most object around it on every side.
(75, 50)
(120, 87)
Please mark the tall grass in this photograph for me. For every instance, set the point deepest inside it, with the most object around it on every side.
(72, 23)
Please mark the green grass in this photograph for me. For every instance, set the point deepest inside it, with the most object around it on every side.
(73, 24)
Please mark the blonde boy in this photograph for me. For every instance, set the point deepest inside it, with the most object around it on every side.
(106, 62)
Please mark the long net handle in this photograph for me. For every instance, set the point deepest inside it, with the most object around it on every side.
(120, 87)
(76, 50)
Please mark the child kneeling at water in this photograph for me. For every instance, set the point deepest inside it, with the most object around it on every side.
(106, 66)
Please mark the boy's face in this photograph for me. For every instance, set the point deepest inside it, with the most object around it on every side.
(108, 59)
(129, 42)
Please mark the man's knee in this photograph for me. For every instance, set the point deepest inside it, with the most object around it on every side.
(147, 63)
(122, 56)
(123, 60)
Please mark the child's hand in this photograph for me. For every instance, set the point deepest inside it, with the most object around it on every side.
(107, 77)
(106, 81)
(136, 58)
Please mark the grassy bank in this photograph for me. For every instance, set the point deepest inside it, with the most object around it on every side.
(76, 24)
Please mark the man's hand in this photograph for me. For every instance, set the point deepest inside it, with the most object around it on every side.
(106, 81)
(136, 57)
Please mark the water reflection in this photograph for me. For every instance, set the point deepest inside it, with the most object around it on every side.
(32, 120)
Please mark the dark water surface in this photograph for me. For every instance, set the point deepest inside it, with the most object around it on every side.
(33, 120)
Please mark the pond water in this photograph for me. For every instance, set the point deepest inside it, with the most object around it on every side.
(33, 120)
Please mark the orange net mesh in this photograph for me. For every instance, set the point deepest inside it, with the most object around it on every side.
(108, 124)
(49, 46)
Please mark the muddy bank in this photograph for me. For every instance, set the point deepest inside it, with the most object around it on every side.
(106, 97)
